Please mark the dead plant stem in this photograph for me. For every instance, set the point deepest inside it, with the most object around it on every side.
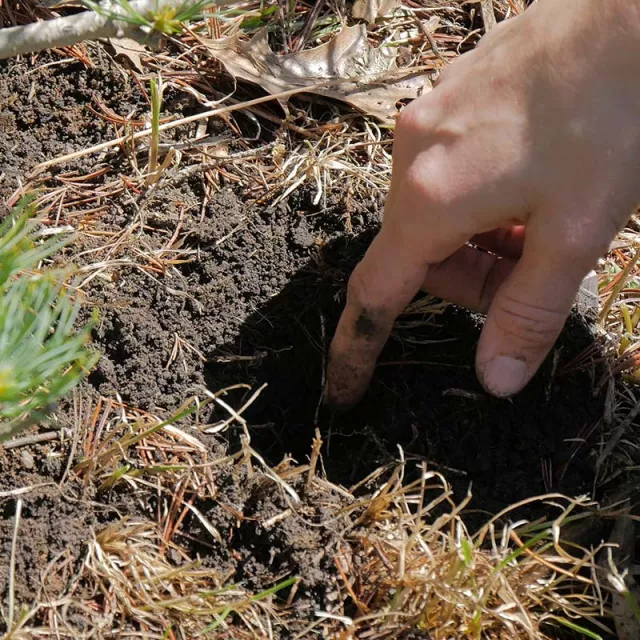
(202, 116)
(12, 565)
(313, 462)
(620, 284)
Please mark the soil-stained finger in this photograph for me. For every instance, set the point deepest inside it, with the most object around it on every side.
(379, 289)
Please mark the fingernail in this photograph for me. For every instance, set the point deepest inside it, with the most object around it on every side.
(504, 376)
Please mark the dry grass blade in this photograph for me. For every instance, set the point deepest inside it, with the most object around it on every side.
(488, 15)
(195, 118)
(626, 595)
(12, 564)
(138, 583)
(620, 284)
(417, 569)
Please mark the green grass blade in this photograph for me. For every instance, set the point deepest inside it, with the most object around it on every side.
(587, 633)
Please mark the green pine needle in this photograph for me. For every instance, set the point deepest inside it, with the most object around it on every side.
(42, 355)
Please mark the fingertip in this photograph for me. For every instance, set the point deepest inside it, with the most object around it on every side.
(348, 376)
(503, 376)
(335, 403)
(380, 287)
(524, 320)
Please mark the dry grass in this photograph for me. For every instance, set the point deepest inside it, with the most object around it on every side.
(417, 566)
(407, 560)
(334, 146)
(136, 575)
(127, 584)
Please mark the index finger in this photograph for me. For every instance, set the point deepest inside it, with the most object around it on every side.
(380, 288)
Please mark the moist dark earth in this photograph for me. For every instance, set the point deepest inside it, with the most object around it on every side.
(260, 304)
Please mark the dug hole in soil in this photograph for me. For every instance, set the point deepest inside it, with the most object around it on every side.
(261, 304)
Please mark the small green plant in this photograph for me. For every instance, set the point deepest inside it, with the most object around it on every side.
(164, 18)
(42, 355)
(153, 171)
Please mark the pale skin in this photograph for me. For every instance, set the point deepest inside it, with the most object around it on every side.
(529, 148)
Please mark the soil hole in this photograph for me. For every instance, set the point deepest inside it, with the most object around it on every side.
(424, 398)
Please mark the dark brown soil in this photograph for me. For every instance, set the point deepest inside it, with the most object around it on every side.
(261, 305)
(267, 304)
(45, 113)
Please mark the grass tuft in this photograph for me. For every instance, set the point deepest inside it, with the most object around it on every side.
(419, 567)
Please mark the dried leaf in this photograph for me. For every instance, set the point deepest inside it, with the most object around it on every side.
(372, 81)
(130, 50)
(370, 10)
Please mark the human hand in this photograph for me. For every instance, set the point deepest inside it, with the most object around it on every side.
(528, 147)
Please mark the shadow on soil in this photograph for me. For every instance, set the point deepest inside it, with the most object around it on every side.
(424, 398)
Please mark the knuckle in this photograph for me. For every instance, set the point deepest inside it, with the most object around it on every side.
(418, 119)
(362, 294)
(531, 326)
(428, 181)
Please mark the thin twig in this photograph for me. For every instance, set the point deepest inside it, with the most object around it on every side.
(12, 564)
(12, 493)
(301, 40)
(35, 439)
(235, 415)
(87, 25)
(288, 489)
(76, 436)
(188, 172)
(313, 462)
(430, 39)
(323, 338)
(488, 15)
(615, 438)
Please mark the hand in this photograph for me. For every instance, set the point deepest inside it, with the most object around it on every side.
(528, 147)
